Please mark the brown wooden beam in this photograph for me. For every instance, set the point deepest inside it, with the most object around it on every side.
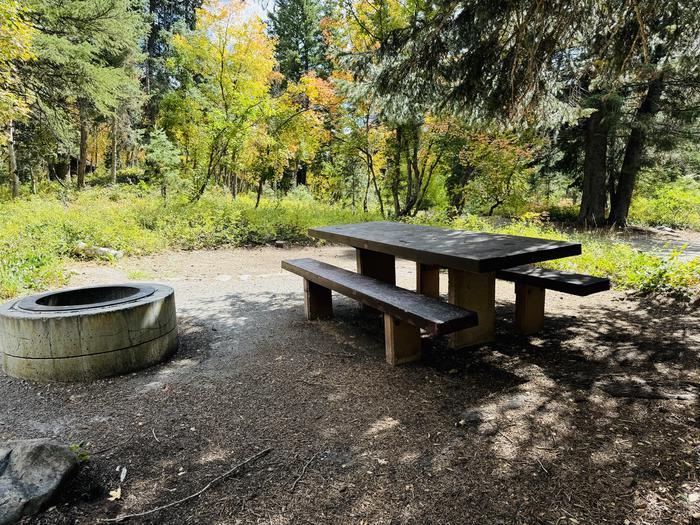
(475, 292)
(317, 301)
(529, 308)
(428, 280)
(402, 341)
(381, 266)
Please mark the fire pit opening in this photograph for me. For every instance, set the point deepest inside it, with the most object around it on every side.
(81, 298)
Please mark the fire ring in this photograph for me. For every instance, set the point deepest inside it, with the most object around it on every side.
(83, 334)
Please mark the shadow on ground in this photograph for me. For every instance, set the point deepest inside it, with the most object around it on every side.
(517, 431)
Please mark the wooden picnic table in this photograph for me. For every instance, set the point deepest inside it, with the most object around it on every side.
(471, 258)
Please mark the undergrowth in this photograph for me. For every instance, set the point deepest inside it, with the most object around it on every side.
(38, 235)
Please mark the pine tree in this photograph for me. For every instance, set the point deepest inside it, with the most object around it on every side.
(296, 24)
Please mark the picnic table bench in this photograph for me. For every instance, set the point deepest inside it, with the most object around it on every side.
(405, 312)
(474, 260)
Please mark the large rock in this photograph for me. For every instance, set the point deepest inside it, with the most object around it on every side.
(30, 473)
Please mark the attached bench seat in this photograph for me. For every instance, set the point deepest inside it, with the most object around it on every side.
(531, 283)
(405, 311)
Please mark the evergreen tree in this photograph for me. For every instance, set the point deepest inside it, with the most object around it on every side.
(164, 16)
(296, 24)
(86, 53)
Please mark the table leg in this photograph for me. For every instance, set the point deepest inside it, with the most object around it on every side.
(529, 308)
(428, 280)
(476, 292)
(381, 266)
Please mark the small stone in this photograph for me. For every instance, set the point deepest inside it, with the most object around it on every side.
(470, 416)
(628, 482)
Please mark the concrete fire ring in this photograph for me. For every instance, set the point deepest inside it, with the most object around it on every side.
(82, 334)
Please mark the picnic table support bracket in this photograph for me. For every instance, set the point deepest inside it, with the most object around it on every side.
(476, 292)
(402, 341)
(529, 308)
(428, 280)
(317, 301)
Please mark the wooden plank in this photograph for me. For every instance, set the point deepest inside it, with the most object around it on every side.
(428, 280)
(529, 308)
(381, 266)
(318, 303)
(402, 341)
(463, 250)
(434, 316)
(475, 292)
(566, 282)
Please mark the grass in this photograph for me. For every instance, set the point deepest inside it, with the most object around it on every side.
(39, 234)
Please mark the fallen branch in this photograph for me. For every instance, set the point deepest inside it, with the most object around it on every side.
(209, 485)
(112, 447)
(303, 471)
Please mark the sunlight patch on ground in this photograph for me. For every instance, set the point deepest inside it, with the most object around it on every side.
(382, 425)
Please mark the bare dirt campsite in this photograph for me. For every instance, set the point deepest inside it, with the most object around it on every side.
(594, 420)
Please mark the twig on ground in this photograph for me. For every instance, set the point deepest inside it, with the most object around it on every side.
(191, 496)
(303, 471)
(117, 445)
(541, 465)
(154, 435)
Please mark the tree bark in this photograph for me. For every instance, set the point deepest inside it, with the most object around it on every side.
(592, 210)
(114, 150)
(634, 153)
(14, 177)
(69, 177)
(82, 160)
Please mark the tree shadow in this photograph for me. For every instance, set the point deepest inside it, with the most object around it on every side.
(511, 432)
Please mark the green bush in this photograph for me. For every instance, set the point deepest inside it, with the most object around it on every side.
(675, 204)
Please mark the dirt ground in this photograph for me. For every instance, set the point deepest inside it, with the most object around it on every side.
(554, 429)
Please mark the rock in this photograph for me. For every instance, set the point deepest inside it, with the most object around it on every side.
(470, 417)
(31, 472)
(280, 244)
(628, 482)
(97, 252)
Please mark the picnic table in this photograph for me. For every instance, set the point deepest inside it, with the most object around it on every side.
(471, 259)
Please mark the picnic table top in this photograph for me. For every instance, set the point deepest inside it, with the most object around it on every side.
(462, 250)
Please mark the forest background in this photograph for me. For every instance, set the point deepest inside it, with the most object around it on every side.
(147, 125)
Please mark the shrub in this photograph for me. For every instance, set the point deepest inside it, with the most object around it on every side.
(675, 204)
(38, 234)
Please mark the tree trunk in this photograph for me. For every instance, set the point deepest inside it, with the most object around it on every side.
(634, 152)
(14, 177)
(114, 150)
(301, 174)
(69, 177)
(396, 173)
(260, 190)
(592, 210)
(82, 160)
(34, 181)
